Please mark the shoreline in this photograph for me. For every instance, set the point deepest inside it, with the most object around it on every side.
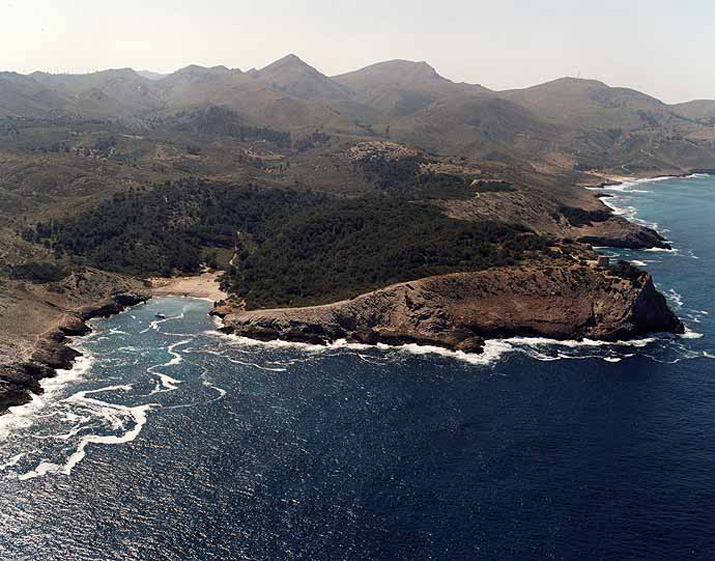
(289, 325)
(615, 190)
(613, 180)
(53, 351)
(201, 287)
(463, 311)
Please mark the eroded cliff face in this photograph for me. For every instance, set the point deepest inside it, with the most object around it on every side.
(37, 320)
(459, 311)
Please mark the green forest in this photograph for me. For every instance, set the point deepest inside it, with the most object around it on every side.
(345, 247)
(165, 230)
(294, 247)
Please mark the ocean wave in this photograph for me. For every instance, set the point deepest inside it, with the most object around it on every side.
(167, 383)
(620, 203)
(22, 417)
(115, 418)
(690, 334)
(12, 461)
(494, 349)
(674, 297)
(662, 250)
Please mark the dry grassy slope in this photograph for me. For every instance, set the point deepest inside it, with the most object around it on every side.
(116, 93)
(400, 87)
(24, 96)
(702, 110)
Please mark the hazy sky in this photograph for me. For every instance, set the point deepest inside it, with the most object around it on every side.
(662, 47)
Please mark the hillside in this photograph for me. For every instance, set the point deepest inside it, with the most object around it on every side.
(702, 111)
(400, 87)
(295, 78)
(567, 122)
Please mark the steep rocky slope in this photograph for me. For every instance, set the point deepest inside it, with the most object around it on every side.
(459, 311)
(35, 321)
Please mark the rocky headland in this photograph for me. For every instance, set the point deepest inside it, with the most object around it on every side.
(459, 311)
(36, 322)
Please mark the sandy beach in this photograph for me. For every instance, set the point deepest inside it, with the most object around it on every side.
(201, 286)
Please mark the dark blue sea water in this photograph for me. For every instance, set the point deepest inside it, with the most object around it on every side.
(172, 442)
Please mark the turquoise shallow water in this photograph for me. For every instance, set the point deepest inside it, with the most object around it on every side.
(170, 441)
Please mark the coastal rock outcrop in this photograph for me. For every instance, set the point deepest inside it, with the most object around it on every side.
(29, 351)
(459, 311)
(619, 232)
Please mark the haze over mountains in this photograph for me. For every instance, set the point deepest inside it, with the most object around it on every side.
(588, 122)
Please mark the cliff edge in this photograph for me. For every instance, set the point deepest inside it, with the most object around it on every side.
(459, 311)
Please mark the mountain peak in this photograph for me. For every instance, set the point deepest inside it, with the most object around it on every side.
(396, 72)
(197, 69)
(297, 78)
(289, 61)
(569, 81)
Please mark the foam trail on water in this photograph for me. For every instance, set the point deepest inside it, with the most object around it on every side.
(115, 415)
(690, 334)
(140, 417)
(12, 461)
(22, 417)
(166, 382)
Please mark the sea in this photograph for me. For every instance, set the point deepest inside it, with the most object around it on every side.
(171, 441)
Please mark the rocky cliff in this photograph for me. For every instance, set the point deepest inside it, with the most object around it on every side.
(459, 311)
(36, 321)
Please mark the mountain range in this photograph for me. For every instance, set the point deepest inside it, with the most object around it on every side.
(567, 122)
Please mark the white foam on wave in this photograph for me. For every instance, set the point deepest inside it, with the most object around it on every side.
(237, 340)
(573, 344)
(209, 384)
(115, 415)
(176, 356)
(12, 462)
(166, 382)
(690, 334)
(22, 417)
(139, 414)
(619, 202)
(42, 468)
(638, 263)
(612, 359)
(494, 349)
(254, 365)
(662, 250)
(675, 297)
